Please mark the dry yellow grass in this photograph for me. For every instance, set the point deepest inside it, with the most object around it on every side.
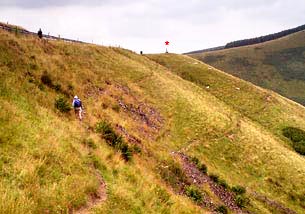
(45, 166)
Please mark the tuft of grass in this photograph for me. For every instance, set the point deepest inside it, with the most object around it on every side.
(202, 167)
(194, 193)
(241, 201)
(223, 183)
(57, 87)
(219, 181)
(222, 209)
(172, 173)
(89, 142)
(238, 189)
(136, 149)
(115, 108)
(62, 104)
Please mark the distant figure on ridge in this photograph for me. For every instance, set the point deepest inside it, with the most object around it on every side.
(78, 107)
(39, 33)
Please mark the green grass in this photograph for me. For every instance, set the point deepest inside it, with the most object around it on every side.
(252, 146)
(277, 65)
(49, 160)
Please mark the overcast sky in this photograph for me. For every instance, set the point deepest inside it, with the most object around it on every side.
(146, 24)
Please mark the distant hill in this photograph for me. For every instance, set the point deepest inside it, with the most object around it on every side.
(207, 50)
(252, 41)
(278, 65)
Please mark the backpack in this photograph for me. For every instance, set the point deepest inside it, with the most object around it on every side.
(77, 103)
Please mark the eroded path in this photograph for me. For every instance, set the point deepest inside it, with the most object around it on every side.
(94, 199)
(196, 177)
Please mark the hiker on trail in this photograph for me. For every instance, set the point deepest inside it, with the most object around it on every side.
(78, 107)
(39, 33)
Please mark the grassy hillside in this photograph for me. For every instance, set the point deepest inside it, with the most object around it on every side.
(278, 65)
(257, 116)
(52, 163)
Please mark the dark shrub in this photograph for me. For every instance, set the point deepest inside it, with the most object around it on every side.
(299, 147)
(297, 136)
(294, 134)
(113, 139)
(126, 152)
(223, 183)
(239, 190)
(222, 209)
(241, 201)
(57, 87)
(62, 105)
(109, 134)
(31, 80)
(214, 177)
(46, 79)
(195, 160)
(193, 193)
(202, 167)
(219, 181)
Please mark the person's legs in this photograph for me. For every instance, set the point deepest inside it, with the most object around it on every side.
(76, 112)
(80, 111)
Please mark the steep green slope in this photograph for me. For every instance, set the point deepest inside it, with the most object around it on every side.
(49, 161)
(278, 65)
(248, 147)
(52, 163)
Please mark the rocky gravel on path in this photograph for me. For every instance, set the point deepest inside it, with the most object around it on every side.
(198, 178)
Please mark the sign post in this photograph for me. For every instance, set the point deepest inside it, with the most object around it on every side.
(167, 44)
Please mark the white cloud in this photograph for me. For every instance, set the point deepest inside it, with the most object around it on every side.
(145, 25)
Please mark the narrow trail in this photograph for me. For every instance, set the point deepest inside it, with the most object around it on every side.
(95, 199)
(198, 178)
(100, 195)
